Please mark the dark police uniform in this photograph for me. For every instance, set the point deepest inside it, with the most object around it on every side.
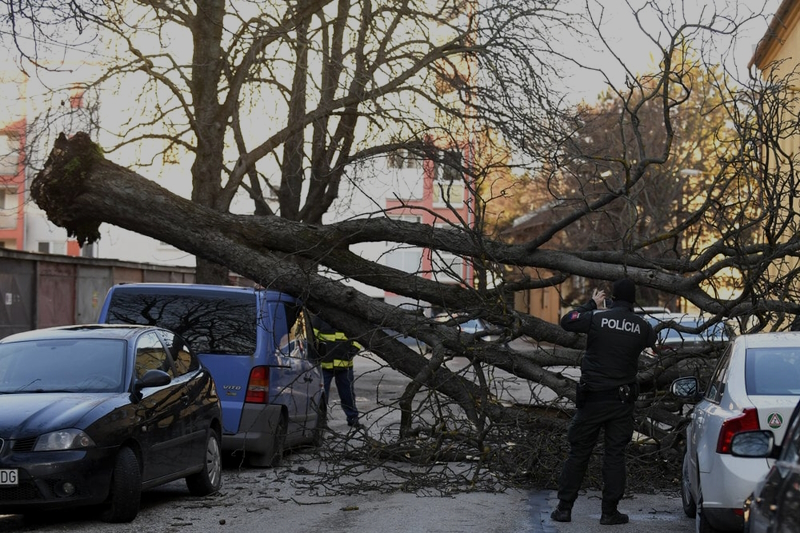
(605, 397)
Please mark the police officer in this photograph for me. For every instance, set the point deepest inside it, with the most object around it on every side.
(605, 396)
(336, 354)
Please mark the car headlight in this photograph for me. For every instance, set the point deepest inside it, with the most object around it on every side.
(64, 439)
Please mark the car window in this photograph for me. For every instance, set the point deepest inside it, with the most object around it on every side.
(73, 365)
(772, 371)
(293, 342)
(183, 359)
(150, 355)
(211, 322)
(716, 386)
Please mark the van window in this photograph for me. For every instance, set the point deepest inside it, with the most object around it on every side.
(290, 329)
(211, 322)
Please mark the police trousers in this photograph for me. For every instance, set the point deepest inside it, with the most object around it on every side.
(615, 419)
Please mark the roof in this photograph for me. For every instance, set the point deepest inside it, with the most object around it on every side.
(85, 331)
(781, 24)
(776, 339)
(202, 289)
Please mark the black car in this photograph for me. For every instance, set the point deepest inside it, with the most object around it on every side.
(93, 415)
(774, 506)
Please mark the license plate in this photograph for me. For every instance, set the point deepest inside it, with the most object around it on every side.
(8, 477)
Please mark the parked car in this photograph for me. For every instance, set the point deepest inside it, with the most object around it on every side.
(93, 415)
(469, 326)
(677, 334)
(774, 506)
(755, 386)
(411, 342)
(256, 345)
(651, 310)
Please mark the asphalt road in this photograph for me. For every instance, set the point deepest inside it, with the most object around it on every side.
(289, 499)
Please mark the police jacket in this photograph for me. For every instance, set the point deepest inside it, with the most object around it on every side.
(616, 338)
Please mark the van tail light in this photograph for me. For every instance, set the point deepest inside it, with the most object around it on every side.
(747, 421)
(258, 385)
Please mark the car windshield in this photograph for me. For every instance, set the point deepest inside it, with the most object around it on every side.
(772, 371)
(64, 365)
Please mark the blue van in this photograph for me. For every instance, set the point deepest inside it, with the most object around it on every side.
(256, 345)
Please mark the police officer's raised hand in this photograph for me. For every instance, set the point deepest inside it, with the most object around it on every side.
(599, 297)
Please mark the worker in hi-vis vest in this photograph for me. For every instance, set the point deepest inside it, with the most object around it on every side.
(336, 354)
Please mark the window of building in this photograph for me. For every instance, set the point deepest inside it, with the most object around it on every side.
(9, 154)
(89, 250)
(405, 259)
(448, 185)
(407, 218)
(49, 247)
(403, 158)
(447, 267)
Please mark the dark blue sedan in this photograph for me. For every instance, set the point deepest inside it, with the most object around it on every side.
(93, 415)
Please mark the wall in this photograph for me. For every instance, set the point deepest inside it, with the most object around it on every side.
(43, 290)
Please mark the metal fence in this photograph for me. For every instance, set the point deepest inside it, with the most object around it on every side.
(43, 290)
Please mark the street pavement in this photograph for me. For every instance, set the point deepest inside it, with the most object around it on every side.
(288, 499)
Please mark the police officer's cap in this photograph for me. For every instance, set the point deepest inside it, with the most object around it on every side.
(625, 290)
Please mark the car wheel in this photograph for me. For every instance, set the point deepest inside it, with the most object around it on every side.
(689, 505)
(275, 455)
(209, 479)
(123, 500)
(322, 424)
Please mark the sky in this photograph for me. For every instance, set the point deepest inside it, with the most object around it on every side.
(635, 49)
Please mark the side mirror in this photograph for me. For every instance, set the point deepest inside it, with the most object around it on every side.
(753, 444)
(685, 388)
(152, 378)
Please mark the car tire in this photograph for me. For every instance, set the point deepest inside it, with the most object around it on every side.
(125, 495)
(209, 479)
(322, 424)
(273, 457)
(689, 505)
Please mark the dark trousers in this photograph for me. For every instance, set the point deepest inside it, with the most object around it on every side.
(616, 420)
(344, 384)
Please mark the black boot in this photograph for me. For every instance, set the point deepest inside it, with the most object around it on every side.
(562, 513)
(613, 518)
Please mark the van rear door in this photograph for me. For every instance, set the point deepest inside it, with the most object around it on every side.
(218, 323)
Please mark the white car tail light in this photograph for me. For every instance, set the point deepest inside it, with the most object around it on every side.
(747, 421)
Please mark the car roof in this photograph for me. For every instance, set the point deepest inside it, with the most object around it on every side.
(85, 331)
(195, 287)
(774, 339)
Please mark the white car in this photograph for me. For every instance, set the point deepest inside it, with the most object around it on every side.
(755, 386)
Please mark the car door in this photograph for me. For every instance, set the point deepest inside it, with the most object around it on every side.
(292, 376)
(706, 420)
(195, 411)
(159, 411)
